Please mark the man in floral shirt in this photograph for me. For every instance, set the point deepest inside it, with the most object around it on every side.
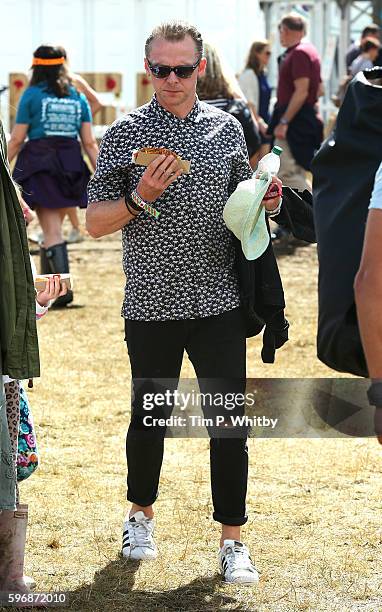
(181, 287)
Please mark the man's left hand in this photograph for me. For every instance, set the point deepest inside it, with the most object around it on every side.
(273, 203)
(280, 131)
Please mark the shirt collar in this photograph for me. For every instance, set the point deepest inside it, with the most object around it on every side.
(283, 56)
(289, 49)
(162, 112)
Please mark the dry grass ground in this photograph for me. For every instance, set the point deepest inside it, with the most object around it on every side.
(314, 505)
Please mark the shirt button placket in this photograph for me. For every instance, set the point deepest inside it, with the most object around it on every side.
(195, 198)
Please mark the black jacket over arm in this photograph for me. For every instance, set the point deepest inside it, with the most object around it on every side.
(261, 290)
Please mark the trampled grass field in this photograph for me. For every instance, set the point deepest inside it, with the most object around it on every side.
(314, 529)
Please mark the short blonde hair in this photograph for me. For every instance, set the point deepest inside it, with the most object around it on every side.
(175, 31)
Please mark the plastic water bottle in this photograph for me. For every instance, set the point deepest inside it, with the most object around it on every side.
(269, 163)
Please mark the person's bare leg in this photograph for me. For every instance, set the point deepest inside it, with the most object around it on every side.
(63, 213)
(229, 532)
(73, 216)
(147, 510)
(51, 222)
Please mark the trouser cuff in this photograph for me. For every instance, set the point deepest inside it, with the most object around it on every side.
(234, 521)
(140, 502)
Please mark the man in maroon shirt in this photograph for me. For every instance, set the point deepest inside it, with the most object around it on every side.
(295, 124)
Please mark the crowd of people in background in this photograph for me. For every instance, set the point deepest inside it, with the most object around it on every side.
(361, 55)
(286, 116)
(370, 32)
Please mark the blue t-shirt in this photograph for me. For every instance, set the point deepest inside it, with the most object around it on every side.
(376, 196)
(48, 115)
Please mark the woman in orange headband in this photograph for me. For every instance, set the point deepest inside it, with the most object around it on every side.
(50, 168)
(39, 61)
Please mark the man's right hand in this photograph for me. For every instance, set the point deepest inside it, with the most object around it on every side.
(158, 175)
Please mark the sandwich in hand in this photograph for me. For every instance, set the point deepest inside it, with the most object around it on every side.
(145, 155)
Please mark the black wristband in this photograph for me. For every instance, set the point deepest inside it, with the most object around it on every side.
(132, 212)
(374, 393)
(131, 205)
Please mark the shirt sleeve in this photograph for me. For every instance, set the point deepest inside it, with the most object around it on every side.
(301, 65)
(250, 85)
(86, 113)
(376, 196)
(241, 169)
(109, 179)
(23, 114)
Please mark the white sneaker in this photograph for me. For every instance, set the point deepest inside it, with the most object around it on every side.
(75, 235)
(138, 542)
(235, 563)
(37, 237)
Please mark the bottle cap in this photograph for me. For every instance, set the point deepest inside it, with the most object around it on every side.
(277, 150)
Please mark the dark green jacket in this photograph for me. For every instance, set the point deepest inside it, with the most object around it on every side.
(18, 334)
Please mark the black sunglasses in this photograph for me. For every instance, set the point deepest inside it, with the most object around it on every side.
(182, 72)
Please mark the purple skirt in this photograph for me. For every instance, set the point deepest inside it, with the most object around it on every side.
(52, 173)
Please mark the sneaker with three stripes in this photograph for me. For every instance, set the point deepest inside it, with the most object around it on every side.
(236, 565)
(138, 542)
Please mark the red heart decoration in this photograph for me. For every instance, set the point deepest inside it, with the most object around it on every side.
(111, 83)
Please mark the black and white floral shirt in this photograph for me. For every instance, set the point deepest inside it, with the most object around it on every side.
(180, 265)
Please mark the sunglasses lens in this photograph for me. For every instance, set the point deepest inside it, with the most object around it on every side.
(160, 72)
(184, 72)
